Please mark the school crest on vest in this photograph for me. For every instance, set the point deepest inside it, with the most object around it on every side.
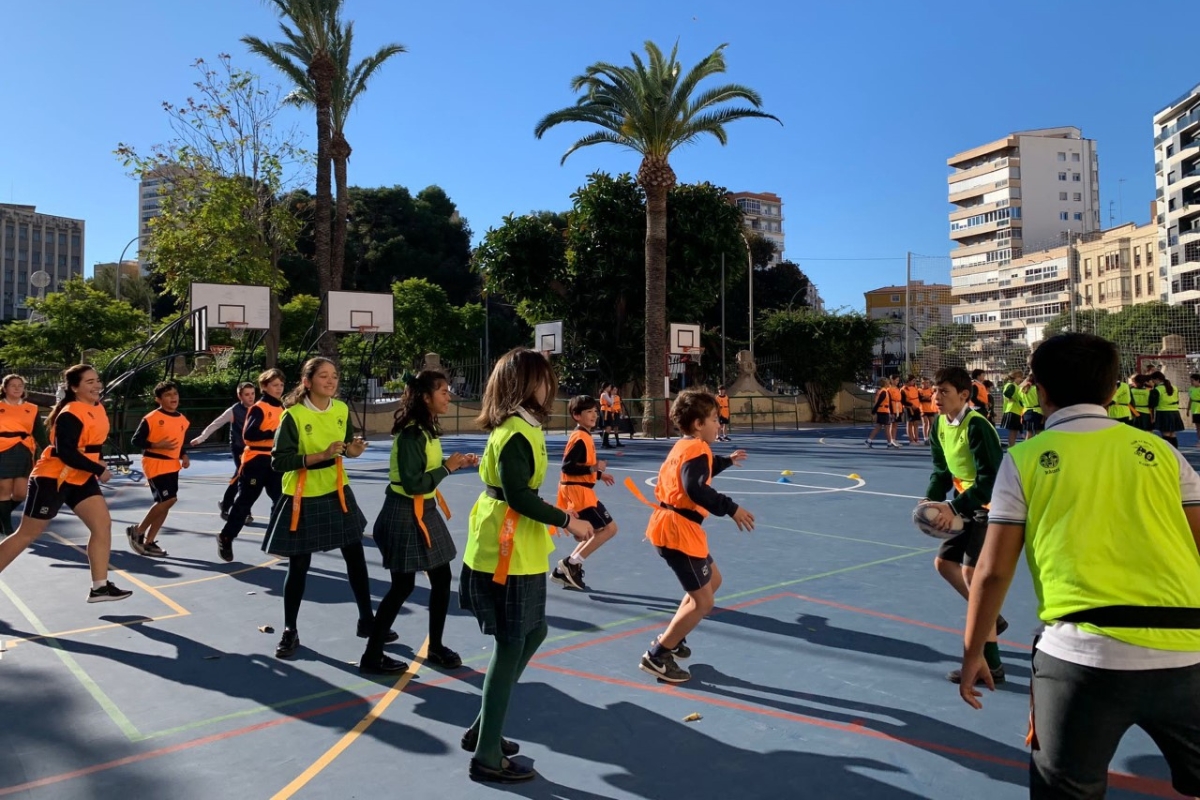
(1049, 462)
(1145, 454)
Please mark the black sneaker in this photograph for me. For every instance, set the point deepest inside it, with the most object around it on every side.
(249, 519)
(224, 511)
(470, 740)
(108, 593)
(384, 665)
(507, 772)
(153, 549)
(997, 676)
(364, 631)
(569, 575)
(664, 668)
(444, 657)
(1001, 624)
(224, 549)
(136, 540)
(681, 650)
(287, 644)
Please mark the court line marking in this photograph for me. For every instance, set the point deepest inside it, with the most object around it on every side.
(106, 704)
(375, 713)
(1147, 786)
(176, 584)
(840, 538)
(10, 643)
(800, 489)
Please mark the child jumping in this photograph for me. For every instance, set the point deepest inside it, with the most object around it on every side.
(162, 437)
(577, 491)
(685, 498)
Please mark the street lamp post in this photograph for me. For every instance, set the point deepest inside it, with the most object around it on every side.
(750, 266)
(121, 260)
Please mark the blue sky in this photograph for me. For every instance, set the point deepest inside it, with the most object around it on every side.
(874, 96)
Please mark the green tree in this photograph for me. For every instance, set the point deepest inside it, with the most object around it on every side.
(136, 290)
(220, 217)
(952, 341)
(587, 268)
(309, 50)
(297, 315)
(652, 109)
(76, 318)
(820, 352)
(426, 322)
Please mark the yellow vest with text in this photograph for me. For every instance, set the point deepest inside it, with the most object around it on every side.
(532, 544)
(1105, 527)
(1029, 399)
(1120, 402)
(316, 432)
(1140, 399)
(956, 449)
(433, 460)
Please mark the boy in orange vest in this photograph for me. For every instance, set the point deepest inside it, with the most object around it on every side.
(685, 497)
(723, 415)
(577, 491)
(162, 436)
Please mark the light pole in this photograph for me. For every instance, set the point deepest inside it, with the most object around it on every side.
(121, 260)
(750, 265)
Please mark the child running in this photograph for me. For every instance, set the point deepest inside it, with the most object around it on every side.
(577, 491)
(318, 511)
(70, 471)
(21, 433)
(409, 531)
(882, 409)
(255, 473)
(1109, 519)
(162, 436)
(966, 457)
(235, 417)
(503, 580)
(685, 498)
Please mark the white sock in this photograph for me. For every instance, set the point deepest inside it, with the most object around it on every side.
(99, 584)
(574, 559)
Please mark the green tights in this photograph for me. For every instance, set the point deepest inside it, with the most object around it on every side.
(508, 663)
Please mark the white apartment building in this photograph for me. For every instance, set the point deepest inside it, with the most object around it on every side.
(31, 242)
(150, 190)
(1027, 192)
(1177, 178)
(762, 213)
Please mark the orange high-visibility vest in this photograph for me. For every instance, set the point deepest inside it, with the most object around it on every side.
(91, 443)
(16, 426)
(157, 462)
(723, 405)
(577, 492)
(896, 399)
(262, 447)
(676, 523)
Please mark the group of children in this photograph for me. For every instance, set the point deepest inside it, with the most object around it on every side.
(910, 401)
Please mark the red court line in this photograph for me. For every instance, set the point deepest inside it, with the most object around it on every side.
(216, 737)
(655, 626)
(1147, 786)
(894, 618)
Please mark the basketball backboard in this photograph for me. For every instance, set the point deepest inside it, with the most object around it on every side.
(351, 312)
(226, 303)
(685, 338)
(548, 337)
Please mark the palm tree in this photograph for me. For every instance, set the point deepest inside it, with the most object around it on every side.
(650, 109)
(306, 56)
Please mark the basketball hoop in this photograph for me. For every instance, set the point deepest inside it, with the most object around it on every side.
(221, 354)
(368, 332)
(691, 355)
(236, 330)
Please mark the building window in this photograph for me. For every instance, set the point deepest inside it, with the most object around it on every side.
(1079, 197)
(1062, 156)
(1137, 256)
(1063, 215)
(895, 298)
(1062, 176)
(1149, 284)
(1075, 177)
(1074, 156)
(1062, 195)
(1079, 216)
(1137, 285)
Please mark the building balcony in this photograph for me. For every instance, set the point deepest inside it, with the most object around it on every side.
(1184, 123)
(981, 247)
(1190, 235)
(967, 194)
(983, 169)
(1185, 151)
(980, 230)
(982, 208)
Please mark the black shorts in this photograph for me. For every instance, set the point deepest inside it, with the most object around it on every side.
(597, 516)
(722, 420)
(883, 419)
(693, 573)
(164, 487)
(46, 497)
(1196, 419)
(1011, 421)
(964, 547)
(1034, 422)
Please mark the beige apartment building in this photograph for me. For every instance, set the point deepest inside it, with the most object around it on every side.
(31, 242)
(154, 184)
(762, 213)
(1177, 178)
(925, 305)
(1119, 267)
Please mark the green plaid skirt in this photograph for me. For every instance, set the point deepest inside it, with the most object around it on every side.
(509, 612)
(401, 541)
(322, 526)
(16, 462)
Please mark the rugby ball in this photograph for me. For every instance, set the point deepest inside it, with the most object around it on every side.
(923, 516)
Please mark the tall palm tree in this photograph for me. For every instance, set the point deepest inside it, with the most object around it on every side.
(651, 109)
(307, 56)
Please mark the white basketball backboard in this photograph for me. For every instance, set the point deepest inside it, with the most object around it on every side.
(684, 338)
(350, 312)
(548, 337)
(228, 303)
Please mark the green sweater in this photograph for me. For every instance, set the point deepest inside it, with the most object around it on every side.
(986, 452)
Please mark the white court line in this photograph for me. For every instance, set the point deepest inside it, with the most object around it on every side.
(814, 490)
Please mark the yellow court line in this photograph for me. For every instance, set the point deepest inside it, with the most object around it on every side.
(375, 713)
(162, 598)
(177, 584)
(10, 643)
